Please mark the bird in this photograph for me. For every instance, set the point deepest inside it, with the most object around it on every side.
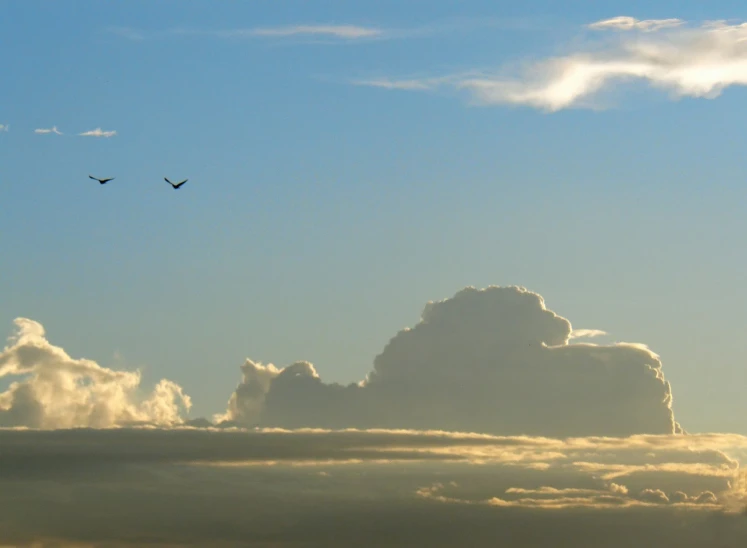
(177, 185)
(102, 181)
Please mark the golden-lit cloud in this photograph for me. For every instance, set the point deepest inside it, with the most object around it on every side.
(700, 60)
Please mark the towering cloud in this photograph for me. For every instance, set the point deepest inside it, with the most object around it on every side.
(493, 360)
(57, 391)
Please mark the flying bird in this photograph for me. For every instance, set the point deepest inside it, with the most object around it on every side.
(102, 181)
(177, 185)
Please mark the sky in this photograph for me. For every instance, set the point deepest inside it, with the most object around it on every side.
(505, 219)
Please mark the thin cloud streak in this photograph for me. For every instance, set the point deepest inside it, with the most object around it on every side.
(587, 333)
(45, 131)
(624, 22)
(98, 132)
(337, 31)
(700, 61)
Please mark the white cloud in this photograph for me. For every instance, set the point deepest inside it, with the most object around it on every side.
(346, 32)
(337, 32)
(631, 23)
(127, 32)
(98, 132)
(586, 333)
(57, 391)
(349, 32)
(407, 85)
(493, 360)
(4, 127)
(697, 61)
(43, 131)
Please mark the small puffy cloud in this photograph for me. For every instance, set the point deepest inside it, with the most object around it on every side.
(44, 131)
(4, 127)
(314, 487)
(685, 61)
(631, 23)
(493, 361)
(54, 390)
(98, 132)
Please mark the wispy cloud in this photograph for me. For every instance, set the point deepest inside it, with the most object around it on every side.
(98, 132)
(4, 127)
(333, 33)
(127, 32)
(586, 333)
(349, 32)
(687, 61)
(624, 22)
(44, 131)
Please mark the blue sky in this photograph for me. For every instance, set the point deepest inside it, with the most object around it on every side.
(321, 213)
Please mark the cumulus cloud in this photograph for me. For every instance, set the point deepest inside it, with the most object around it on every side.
(631, 23)
(493, 360)
(57, 391)
(317, 487)
(44, 131)
(98, 132)
(686, 61)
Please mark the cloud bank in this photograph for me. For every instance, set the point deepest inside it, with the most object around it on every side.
(123, 487)
(57, 391)
(685, 61)
(89, 459)
(98, 132)
(493, 360)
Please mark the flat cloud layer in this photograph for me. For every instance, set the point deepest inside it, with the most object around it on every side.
(212, 487)
(687, 61)
(493, 360)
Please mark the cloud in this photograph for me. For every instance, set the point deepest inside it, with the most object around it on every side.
(335, 32)
(127, 32)
(43, 131)
(685, 61)
(586, 333)
(98, 132)
(318, 487)
(57, 391)
(493, 361)
(4, 127)
(338, 32)
(348, 32)
(631, 23)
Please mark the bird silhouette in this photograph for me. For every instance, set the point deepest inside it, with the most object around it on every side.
(177, 185)
(102, 181)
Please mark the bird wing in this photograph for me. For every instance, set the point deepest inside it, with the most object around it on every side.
(92, 177)
(106, 180)
(167, 180)
(177, 185)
